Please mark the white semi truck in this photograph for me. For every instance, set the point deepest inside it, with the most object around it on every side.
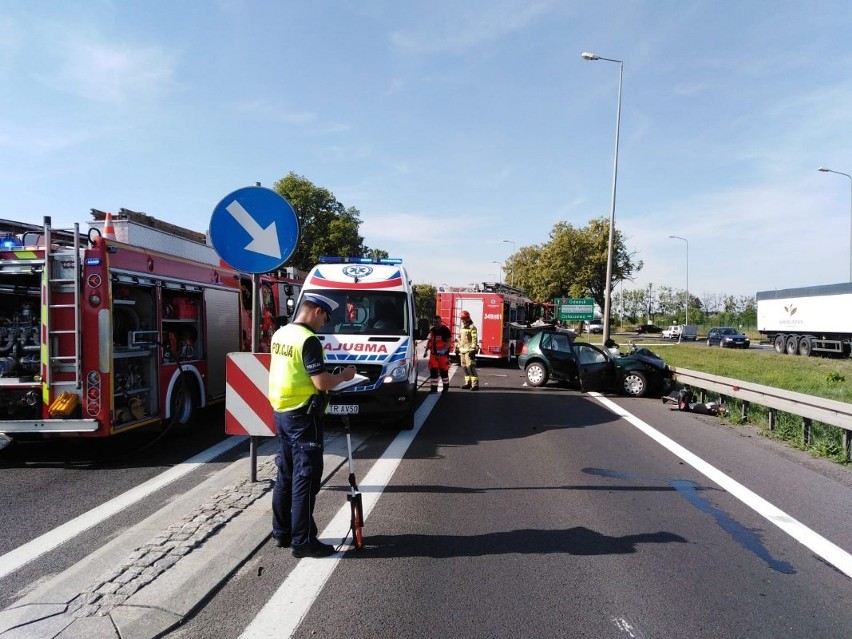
(813, 320)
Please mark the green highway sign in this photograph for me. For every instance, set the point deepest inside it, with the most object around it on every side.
(574, 309)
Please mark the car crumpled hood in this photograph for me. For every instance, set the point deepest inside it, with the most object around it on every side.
(647, 357)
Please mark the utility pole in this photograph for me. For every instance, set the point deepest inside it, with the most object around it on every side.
(650, 300)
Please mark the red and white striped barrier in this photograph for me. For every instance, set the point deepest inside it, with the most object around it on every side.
(247, 407)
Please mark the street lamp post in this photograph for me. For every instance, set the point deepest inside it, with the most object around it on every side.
(608, 291)
(500, 276)
(512, 272)
(675, 237)
(825, 170)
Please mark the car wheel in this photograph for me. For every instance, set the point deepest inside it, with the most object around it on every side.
(536, 374)
(805, 346)
(708, 342)
(635, 384)
(780, 344)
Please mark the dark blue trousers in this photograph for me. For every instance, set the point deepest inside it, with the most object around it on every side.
(299, 461)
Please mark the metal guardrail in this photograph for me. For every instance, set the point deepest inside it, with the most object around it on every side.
(808, 407)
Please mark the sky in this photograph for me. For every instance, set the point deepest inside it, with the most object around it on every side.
(461, 131)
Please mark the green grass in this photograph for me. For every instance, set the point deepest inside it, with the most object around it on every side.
(822, 377)
(829, 378)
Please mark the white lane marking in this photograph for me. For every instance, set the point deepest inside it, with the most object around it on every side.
(24, 554)
(284, 611)
(832, 553)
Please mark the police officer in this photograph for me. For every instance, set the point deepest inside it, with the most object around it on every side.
(298, 381)
(468, 348)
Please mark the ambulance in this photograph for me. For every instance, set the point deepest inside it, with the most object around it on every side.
(374, 329)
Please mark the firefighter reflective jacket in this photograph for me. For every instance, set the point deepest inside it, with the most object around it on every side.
(468, 339)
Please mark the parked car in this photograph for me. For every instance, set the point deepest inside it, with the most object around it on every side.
(671, 332)
(595, 326)
(727, 337)
(681, 332)
(648, 328)
(555, 354)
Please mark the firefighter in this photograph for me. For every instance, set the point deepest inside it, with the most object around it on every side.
(438, 350)
(298, 382)
(468, 346)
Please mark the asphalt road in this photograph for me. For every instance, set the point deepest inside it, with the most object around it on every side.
(45, 484)
(542, 513)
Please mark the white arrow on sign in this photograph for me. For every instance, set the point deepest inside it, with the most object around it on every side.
(263, 241)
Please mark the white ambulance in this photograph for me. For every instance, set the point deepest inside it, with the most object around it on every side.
(374, 329)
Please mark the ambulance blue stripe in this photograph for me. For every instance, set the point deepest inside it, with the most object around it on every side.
(396, 356)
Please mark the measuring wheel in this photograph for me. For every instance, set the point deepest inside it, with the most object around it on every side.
(356, 522)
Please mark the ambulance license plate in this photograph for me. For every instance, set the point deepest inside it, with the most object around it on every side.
(343, 409)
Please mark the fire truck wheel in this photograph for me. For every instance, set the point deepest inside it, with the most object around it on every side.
(183, 403)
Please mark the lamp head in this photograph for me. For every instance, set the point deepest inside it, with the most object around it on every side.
(590, 56)
(824, 170)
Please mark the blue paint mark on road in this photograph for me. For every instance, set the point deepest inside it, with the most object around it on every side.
(745, 537)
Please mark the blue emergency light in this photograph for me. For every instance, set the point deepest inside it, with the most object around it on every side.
(11, 242)
(333, 259)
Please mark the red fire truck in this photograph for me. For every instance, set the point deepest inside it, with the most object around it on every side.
(99, 336)
(493, 309)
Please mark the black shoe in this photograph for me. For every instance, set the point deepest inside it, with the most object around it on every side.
(474, 388)
(466, 385)
(434, 389)
(313, 548)
(447, 388)
(282, 542)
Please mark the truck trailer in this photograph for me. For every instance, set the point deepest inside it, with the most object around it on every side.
(812, 320)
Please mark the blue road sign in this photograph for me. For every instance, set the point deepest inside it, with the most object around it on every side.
(254, 229)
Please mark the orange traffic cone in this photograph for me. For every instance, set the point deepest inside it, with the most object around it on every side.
(109, 229)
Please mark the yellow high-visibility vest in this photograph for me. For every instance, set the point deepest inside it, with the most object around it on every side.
(290, 386)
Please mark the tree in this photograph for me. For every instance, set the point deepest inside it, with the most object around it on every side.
(375, 254)
(573, 263)
(635, 304)
(326, 226)
(425, 296)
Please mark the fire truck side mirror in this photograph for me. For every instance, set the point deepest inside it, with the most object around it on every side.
(290, 306)
(288, 290)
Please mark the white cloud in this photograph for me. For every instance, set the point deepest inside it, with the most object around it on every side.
(461, 27)
(110, 72)
(10, 41)
(36, 141)
(276, 112)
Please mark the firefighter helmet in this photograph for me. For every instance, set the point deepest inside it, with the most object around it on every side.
(464, 316)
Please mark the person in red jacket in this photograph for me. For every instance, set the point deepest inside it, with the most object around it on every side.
(438, 349)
